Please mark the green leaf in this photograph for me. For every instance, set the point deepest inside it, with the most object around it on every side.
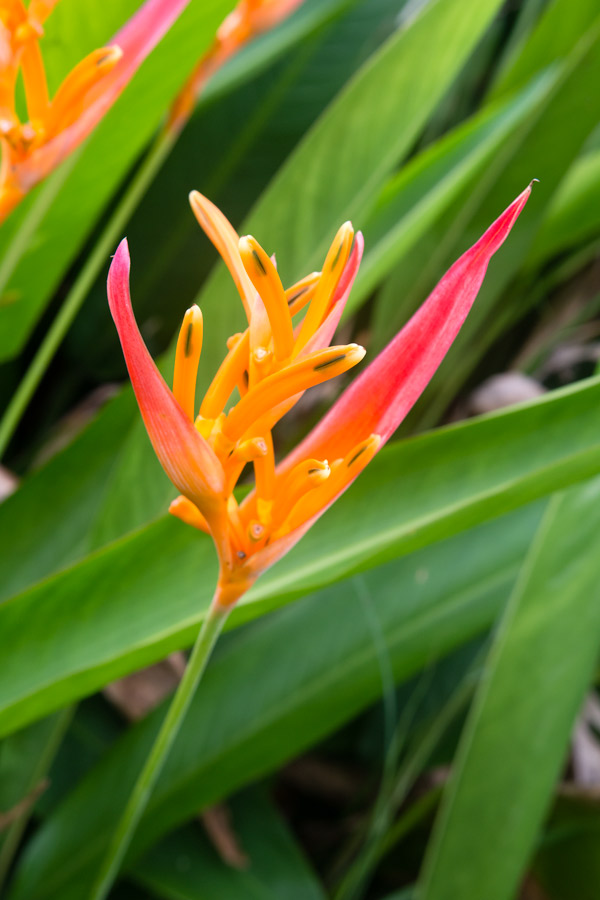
(277, 686)
(144, 595)
(46, 233)
(47, 521)
(426, 187)
(514, 743)
(573, 216)
(185, 866)
(557, 31)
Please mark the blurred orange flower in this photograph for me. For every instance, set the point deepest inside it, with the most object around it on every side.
(55, 127)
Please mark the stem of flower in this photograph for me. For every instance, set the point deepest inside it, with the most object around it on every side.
(209, 632)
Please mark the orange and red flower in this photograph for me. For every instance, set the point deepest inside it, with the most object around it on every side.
(55, 127)
(271, 364)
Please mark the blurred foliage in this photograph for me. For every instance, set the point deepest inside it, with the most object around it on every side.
(445, 624)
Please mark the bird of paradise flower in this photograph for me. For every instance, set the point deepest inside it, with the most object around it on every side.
(280, 355)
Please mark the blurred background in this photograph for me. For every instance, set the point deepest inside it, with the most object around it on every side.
(422, 721)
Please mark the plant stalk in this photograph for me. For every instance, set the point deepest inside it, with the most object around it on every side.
(119, 844)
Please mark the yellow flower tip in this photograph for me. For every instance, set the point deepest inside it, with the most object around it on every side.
(195, 199)
(299, 482)
(318, 472)
(263, 275)
(334, 265)
(108, 56)
(73, 96)
(234, 340)
(188, 512)
(363, 453)
(187, 357)
(223, 235)
(338, 362)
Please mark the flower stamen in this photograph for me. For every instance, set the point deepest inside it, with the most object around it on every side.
(187, 357)
(267, 282)
(224, 237)
(334, 265)
(303, 478)
(230, 373)
(343, 471)
(301, 293)
(293, 379)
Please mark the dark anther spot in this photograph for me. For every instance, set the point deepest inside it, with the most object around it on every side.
(241, 554)
(297, 294)
(336, 257)
(330, 362)
(259, 263)
(245, 377)
(188, 339)
(356, 455)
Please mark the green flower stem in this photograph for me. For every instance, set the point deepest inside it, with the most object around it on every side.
(209, 632)
(105, 245)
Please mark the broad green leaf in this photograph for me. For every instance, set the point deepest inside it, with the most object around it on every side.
(46, 523)
(49, 230)
(280, 684)
(426, 187)
(144, 595)
(540, 665)
(557, 31)
(186, 865)
(337, 170)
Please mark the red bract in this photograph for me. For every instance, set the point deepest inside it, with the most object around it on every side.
(271, 364)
